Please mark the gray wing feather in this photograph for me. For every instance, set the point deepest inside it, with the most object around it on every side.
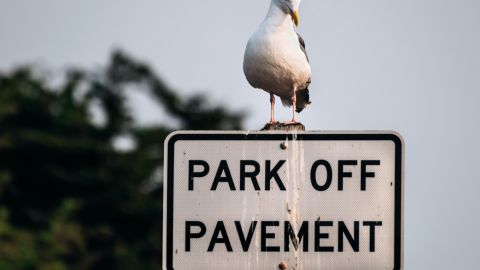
(302, 46)
(303, 95)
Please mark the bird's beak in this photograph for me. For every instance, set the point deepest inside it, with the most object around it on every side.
(295, 17)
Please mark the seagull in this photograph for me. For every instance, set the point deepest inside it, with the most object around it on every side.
(276, 60)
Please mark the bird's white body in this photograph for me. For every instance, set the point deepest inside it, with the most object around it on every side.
(274, 60)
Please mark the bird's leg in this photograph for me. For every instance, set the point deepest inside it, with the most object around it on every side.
(272, 108)
(294, 106)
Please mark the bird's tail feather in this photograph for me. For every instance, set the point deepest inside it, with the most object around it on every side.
(303, 99)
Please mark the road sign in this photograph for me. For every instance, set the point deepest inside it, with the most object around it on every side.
(310, 200)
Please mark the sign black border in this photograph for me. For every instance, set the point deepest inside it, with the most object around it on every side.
(282, 137)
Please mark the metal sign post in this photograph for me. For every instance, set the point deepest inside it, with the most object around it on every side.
(280, 200)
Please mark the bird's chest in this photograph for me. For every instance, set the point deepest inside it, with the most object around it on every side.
(277, 53)
(276, 62)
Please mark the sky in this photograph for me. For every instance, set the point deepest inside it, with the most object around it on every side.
(412, 66)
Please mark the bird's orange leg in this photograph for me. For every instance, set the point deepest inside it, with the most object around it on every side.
(272, 108)
(294, 102)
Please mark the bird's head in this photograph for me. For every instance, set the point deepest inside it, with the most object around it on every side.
(290, 7)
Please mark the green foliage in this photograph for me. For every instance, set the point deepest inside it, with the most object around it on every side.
(68, 198)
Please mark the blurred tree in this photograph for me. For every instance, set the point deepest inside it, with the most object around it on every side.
(69, 199)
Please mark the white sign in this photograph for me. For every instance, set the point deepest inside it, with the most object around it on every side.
(312, 200)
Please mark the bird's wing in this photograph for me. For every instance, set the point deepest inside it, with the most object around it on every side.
(302, 46)
(303, 95)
